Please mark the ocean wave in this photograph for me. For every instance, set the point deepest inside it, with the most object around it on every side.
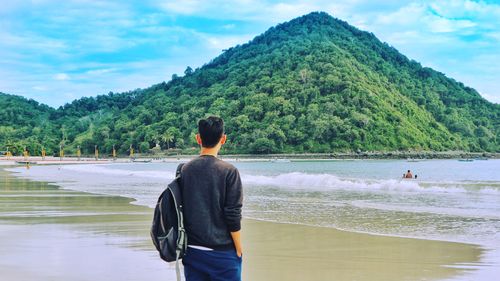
(316, 182)
(325, 182)
(292, 180)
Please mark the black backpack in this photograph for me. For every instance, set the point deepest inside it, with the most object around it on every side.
(167, 230)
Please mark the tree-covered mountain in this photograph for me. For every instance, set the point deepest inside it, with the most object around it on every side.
(313, 84)
(25, 122)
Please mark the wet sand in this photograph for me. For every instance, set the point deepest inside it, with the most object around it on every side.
(47, 233)
(296, 252)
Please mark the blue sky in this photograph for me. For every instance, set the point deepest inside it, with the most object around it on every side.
(57, 51)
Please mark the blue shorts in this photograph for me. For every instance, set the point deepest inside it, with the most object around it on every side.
(200, 265)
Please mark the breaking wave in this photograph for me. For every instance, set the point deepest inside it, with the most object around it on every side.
(325, 182)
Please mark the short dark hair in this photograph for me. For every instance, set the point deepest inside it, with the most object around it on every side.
(210, 130)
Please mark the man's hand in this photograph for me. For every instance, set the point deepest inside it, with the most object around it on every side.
(237, 242)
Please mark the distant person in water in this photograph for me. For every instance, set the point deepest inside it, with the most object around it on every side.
(409, 175)
(415, 176)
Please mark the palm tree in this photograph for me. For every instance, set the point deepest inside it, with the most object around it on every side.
(167, 137)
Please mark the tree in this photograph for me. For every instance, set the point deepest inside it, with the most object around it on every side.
(170, 136)
(263, 145)
(188, 71)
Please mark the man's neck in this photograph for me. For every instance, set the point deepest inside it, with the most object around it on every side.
(209, 151)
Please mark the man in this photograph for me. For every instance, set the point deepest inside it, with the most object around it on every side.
(409, 175)
(212, 198)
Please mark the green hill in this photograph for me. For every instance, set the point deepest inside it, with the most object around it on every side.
(25, 122)
(313, 84)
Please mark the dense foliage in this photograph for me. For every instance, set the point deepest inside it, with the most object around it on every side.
(25, 123)
(314, 84)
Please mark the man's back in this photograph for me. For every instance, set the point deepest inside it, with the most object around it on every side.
(212, 199)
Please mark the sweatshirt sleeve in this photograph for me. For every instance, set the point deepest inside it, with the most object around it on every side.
(234, 201)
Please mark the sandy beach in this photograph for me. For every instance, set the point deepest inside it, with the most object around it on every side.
(47, 233)
(296, 252)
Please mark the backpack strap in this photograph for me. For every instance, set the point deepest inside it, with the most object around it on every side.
(181, 227)
(177, 267)
(178, 171)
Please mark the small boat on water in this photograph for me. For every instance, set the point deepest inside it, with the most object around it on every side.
(465, 160)
(412, 160)
(25, 162)
(142, 160)
(481, 158)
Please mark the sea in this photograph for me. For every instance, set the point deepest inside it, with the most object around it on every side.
(450, 200)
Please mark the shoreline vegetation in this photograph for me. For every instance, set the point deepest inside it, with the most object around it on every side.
(173, 156)
(75, 225)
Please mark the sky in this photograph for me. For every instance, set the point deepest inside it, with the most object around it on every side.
(58, 51)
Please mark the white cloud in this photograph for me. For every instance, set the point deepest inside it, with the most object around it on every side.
(407, 15)
(100, 71)
(224, 42)
(184, 7)
(78, 38)
(418, 16)
(31, 40)
(229, 26)
(439, 24)
(247, 10)
(286, 11)
(39, 88)
(464, 8)
(61, 76)
(492, 98)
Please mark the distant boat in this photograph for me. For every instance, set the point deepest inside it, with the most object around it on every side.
(412, 160)
(465, 160)
(142, 160)
(481, 158)
(25, 162)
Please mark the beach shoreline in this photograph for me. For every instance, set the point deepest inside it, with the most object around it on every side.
(296, 157)
(273, 251)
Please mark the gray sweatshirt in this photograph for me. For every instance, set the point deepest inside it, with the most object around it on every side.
(212, 200)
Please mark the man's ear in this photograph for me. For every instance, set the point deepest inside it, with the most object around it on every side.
(223, 139)
(198, 139)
